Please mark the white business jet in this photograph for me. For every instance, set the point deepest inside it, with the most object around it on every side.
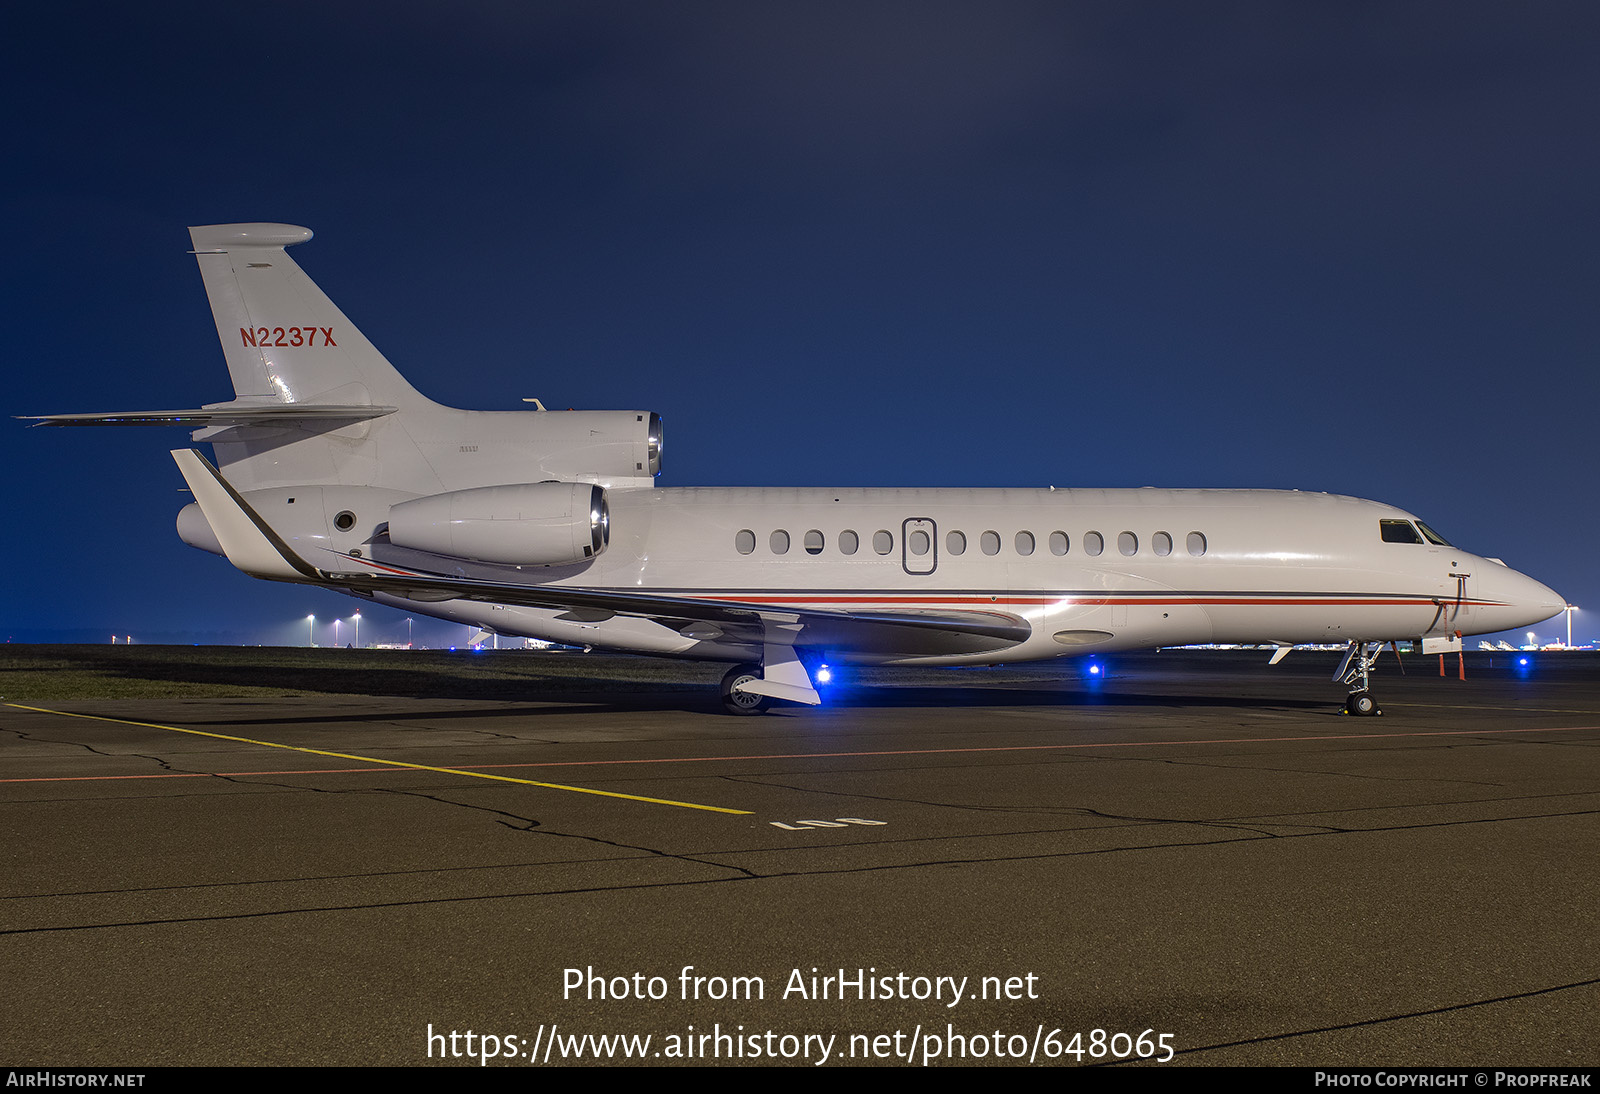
(332, 470)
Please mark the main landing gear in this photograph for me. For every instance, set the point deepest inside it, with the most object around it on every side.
(743, 702)
(1354, 670)
(750, 688)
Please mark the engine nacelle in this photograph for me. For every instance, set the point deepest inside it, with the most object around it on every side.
(525, 524)
(615, 448)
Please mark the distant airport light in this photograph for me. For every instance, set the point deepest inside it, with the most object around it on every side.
(311, 631)
(824, 674)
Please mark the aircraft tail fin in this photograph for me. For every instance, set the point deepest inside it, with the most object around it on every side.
(302, 372)
(283, 339)
(316, 404)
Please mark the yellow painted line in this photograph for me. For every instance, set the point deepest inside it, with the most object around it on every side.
(388, 763)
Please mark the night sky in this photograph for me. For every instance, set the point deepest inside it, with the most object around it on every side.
(1347, 247)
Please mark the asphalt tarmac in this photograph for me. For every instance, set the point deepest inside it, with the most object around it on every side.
(1192, 855)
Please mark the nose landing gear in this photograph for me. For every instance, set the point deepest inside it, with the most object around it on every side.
(1354, 670)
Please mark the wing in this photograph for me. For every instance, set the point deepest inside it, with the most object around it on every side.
(252, 546)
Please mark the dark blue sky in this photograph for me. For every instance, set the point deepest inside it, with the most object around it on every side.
(1346, 247)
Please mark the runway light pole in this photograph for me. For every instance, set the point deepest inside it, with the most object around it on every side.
(336, 623)
(311, 632)
(357, 621)
(1569, 609)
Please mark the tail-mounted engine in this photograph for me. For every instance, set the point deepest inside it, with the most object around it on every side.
(526, 524)
(523, 524)
(611, 447)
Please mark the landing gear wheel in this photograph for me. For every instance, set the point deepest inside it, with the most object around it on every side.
(742, 702)
(1361, 703)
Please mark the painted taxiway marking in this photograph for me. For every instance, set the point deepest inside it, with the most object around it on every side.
(476, 770)
(387, 763)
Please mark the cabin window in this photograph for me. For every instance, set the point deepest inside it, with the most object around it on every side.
(1024, 543)
(744, 542)
(882, 542)
(1398, 531)
(849, 542)
(1128, 544)
(813, 542)
(1093, 543)
(956, 543)
(990, 542)
(779, 541)
(1197, 544)
(1058, 543)
(919, 543)
(1161, 543)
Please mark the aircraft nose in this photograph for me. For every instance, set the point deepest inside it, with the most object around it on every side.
(1533, 600)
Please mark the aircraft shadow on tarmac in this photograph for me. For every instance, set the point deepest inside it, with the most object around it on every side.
(576, 700)
(537, 684)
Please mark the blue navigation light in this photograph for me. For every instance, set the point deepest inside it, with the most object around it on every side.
(824, 674)
(1522, 661)
(1095, 673)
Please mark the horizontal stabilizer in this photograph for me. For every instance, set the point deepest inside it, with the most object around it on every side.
(221, 415)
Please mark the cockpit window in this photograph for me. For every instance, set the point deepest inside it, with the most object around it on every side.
(1434, 537)
(1398, 531)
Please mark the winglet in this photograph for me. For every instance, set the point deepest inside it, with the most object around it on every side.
(246, 539)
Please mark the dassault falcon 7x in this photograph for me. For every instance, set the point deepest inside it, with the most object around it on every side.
(332, 470)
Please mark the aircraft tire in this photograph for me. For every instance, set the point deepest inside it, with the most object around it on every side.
(1361, 703)
(742, 702)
